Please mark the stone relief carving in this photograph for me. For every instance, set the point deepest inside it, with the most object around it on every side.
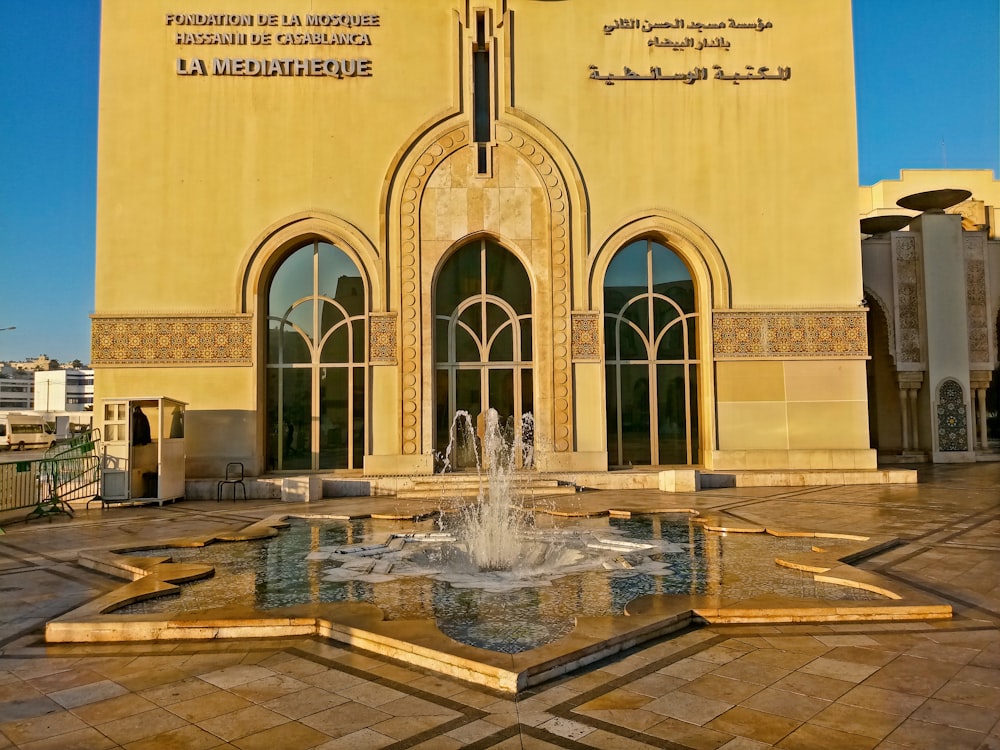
(871, 297)
(976, 302)
(409, 223)
(909, 298)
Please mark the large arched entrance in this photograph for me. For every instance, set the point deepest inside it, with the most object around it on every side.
(482, 346)
(316, 370)
(651, 360)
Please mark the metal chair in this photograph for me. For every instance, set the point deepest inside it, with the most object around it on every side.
(234, 476)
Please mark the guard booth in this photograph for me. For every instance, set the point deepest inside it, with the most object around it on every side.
(143, 460)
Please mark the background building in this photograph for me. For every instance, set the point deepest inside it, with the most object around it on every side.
(64, 390)
(634, 237)
(932, 280)
(17, 389)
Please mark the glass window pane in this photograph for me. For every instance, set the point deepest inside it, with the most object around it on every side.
(694, 435)
(496, 318)
(337, 346)
(672, 402)
(627, 272)
(442, 412)
(441, 340)
(638, 314)
(468, 398)
(502, 393)
(296, 444)
(526, 353)
(292, 281)
(358, 421)
(527, 418)
(466, 347)
(275, 435)
(359, 333)
(611, 400)
(339, 278)
(302, 316)
(459, 278)
(293, 348)
(667, 267)
(631, 346)
(334, 418)
(502, 348)
(472, 316)
(635, 447)
(672, 343)
(506, 278)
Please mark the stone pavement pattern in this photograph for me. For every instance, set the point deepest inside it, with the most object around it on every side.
(860, 685)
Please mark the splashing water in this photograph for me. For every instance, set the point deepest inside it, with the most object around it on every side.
(492, 528)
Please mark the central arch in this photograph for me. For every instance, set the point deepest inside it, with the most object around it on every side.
(483, 338)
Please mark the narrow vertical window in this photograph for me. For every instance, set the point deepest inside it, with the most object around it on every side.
(481, 93)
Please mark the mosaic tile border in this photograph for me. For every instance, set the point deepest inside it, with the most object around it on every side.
(152, 341)
(781, 334)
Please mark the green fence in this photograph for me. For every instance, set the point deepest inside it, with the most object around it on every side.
(70, 470)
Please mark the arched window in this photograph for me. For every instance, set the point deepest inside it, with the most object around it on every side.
(482, 343)
(650, 325)
(316, 361)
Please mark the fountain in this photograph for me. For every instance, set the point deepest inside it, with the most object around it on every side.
(489, 591)
(492, 527)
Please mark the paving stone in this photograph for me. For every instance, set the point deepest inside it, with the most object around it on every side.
(930, 684)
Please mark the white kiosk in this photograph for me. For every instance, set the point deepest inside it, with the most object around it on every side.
(143, 459)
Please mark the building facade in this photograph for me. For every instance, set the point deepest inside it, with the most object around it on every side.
(16, 389)
(933, 285)
(330, 228)
(67, 389)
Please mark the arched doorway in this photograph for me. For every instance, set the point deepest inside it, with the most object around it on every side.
(316, 369)
(482, 346)
(651, 361)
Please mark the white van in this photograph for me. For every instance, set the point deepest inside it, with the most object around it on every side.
(23, 431)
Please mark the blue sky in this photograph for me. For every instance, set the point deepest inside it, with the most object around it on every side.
(928, 77)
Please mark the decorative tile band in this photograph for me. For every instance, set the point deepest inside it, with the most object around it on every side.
(149, 341)
(586, 337)
(784, 334)
(382, 346)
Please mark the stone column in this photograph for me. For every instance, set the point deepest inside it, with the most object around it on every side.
(979, 381)
(909, 387)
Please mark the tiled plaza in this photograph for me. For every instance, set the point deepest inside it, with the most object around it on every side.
(739, 687)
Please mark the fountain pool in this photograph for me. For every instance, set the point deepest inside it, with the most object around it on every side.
(568, 569)
(508, 596)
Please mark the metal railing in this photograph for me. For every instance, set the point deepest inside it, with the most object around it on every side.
(70, 470)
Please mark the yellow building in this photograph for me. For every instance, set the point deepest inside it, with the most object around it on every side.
(328, 227)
